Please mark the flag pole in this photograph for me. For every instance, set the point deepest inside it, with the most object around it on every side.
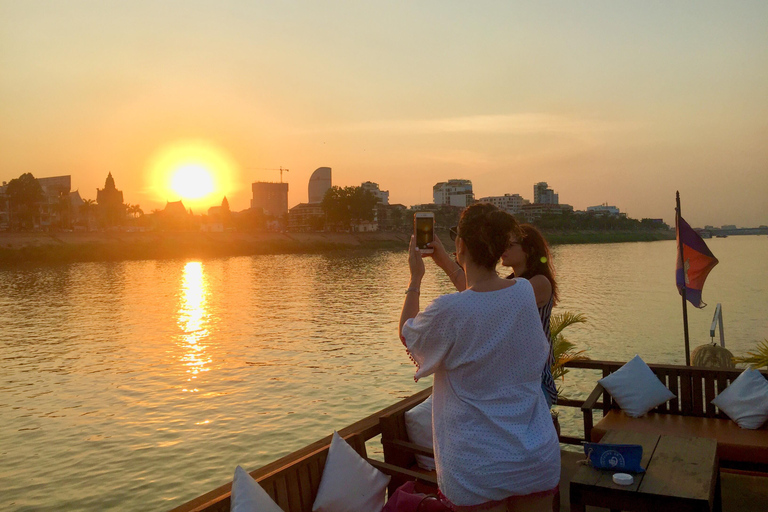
(682, 265)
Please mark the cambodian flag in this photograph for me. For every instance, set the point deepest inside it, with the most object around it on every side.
(695, 263)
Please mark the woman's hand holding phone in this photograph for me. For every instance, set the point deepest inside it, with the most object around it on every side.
(439, 254)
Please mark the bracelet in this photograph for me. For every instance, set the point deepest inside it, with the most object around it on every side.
(412, 289)
(450, 276)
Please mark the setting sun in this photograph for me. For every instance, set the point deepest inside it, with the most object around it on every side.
(194, 171)
(192, 181)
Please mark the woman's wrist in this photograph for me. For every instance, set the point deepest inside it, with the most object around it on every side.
(414, 282)
(446, 263)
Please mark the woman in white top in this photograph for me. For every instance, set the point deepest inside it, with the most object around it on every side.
(495, 445)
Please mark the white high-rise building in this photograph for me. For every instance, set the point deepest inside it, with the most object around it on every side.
(319, 183)
(453, 193)
(510, 203)
(542, 194)
(381, 195)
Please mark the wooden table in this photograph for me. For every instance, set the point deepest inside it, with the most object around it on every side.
(682, 474)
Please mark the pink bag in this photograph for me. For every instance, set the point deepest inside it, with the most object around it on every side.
(406, 499)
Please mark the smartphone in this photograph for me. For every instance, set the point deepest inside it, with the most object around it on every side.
(424, 229)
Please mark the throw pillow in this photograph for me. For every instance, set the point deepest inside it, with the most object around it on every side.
(636, 388)
(349, 483)
(745, 401)
(249, 496)
(418, 424)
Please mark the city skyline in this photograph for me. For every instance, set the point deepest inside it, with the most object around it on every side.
(617, 103)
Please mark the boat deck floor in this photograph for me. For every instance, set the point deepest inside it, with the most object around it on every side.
(742, 492)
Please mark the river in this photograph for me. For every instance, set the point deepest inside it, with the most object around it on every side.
(140, 385)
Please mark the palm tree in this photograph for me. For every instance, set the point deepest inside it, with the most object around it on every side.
(134, 210)
(564, 350)
(758, 359)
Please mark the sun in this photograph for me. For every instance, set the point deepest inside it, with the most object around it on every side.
(197, 172)
(192, 181)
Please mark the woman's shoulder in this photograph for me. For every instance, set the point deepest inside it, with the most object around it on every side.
(447, 301)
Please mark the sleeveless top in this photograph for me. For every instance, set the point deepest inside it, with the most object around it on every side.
(547, 381)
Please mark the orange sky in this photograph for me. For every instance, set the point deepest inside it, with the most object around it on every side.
(616, 102)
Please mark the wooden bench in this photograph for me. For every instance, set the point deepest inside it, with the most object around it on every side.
(691, 413)
(399, 451)
(292, 481)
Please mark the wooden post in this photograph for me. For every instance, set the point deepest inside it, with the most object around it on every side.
(682, 265)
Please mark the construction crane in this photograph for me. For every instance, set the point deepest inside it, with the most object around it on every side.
(281, 169)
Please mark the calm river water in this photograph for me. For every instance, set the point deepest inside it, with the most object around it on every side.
(140, 385)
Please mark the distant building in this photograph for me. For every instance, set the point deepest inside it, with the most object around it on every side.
(728, 226)
(319, 183)
(54, 210)
(272, 198)
(510, 203)
(542, 194)
(390, 217)
(535, 211)
(364, 226)
(219, 218)
(111, 209)
(604, 209)
(453, 193)
(306, 217)
(175, 209)
(381, 195)
(174, 217)
(75, 207)
(5, 218)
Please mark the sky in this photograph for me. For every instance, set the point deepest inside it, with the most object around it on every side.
(621, 103)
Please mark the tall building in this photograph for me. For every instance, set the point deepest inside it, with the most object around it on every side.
(453, 193)
(272, 198)
(110, 202)
(510, 203)
(542, 194)
(381, 195)
(319, 183)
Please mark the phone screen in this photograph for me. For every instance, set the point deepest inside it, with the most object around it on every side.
(424, 231)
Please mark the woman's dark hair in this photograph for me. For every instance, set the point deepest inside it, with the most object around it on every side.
(538, 258)
(486, 230)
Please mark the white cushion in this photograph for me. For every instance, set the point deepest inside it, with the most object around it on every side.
(418, 424)
(636, 388)
(349, 483)
(249, 496)
(745, 401)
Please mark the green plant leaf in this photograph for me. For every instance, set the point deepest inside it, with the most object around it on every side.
(758, 359)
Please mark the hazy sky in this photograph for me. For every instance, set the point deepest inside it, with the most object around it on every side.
(617, 102)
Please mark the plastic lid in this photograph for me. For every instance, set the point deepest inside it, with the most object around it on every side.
(623, 479)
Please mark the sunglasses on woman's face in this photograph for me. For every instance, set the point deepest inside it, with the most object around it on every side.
(454, 232)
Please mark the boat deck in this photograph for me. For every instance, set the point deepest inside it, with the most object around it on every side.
(742, 492)
(293, 480)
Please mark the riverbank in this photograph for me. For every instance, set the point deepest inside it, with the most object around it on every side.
(67, 247)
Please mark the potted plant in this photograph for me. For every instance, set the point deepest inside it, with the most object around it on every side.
(564, 351)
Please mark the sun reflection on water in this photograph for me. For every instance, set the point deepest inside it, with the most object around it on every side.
(193, 321)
